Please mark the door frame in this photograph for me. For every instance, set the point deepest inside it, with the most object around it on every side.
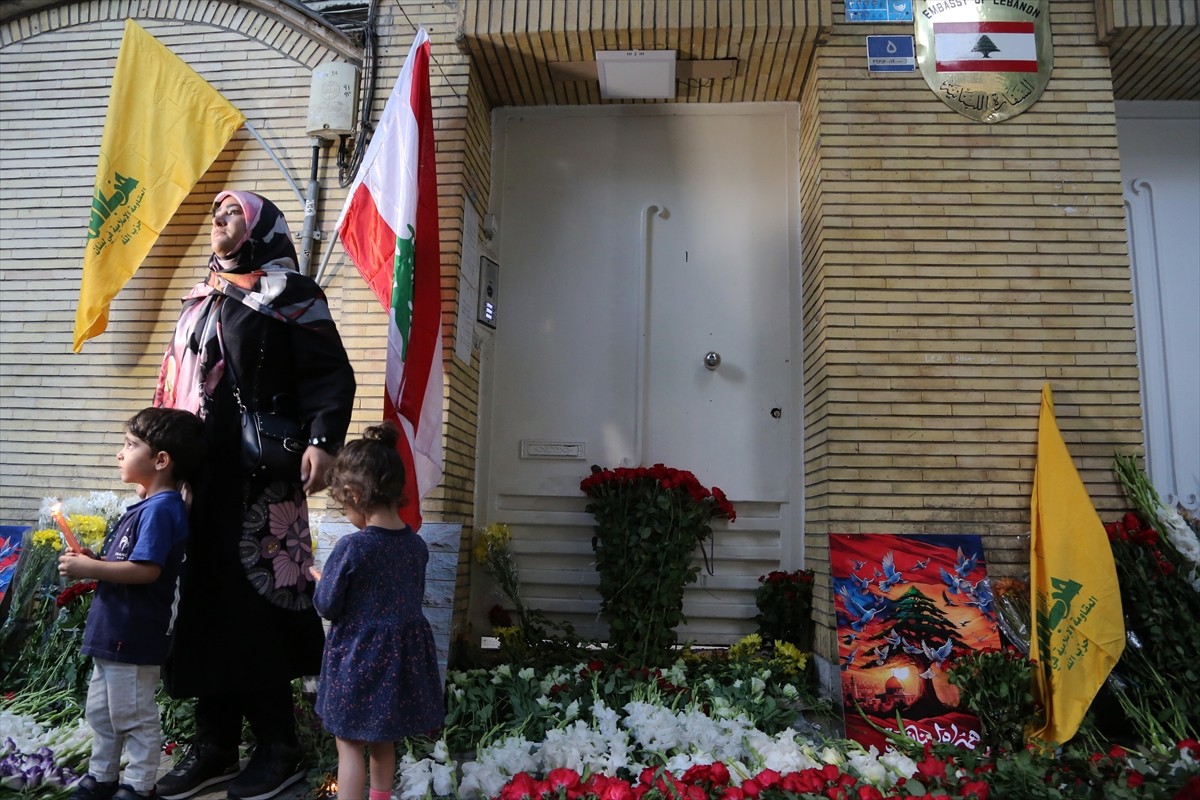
(791, 546)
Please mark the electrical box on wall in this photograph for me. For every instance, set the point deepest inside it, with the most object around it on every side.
(489, 287)
(332, 99)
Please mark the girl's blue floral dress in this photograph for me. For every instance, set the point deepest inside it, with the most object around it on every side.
(379, 674)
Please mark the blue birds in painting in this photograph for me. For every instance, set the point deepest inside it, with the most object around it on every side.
(881, 654)
(848, 659)
(890, 575)
(937, 656)
(980, 596)
(892, 638)
(956, 584)
(857, 564)
(866, 617)
(964, 564)
(920, 565)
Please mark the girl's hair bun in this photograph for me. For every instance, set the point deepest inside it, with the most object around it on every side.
(386, 434)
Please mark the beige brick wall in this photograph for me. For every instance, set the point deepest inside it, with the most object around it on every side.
(951, 269)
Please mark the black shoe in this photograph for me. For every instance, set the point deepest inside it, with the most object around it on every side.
(127, 792)
(89, 788)
(204, 765)
(272, 768)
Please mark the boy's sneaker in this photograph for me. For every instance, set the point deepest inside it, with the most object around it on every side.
(89, 788)
(271, 769)
(127, 792)
(204, 765)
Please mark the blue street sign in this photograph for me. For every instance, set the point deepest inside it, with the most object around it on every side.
(891, 54)
(879, 10)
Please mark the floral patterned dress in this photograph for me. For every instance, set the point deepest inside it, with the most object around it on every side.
(379, 676)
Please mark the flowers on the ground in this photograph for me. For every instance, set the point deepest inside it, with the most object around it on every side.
(44, 742)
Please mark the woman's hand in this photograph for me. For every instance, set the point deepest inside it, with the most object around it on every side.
(314, 466)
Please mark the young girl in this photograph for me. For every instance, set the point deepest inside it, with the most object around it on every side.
(379, 676)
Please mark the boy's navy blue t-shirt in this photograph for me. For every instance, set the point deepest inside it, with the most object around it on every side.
(132, 623)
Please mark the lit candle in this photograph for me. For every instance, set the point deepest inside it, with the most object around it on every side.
(65, 527)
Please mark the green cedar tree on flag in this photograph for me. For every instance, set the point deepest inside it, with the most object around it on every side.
(389, 228)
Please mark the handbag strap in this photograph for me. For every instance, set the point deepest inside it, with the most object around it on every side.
(237, 392)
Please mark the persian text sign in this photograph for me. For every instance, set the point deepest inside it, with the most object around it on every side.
(987, 59)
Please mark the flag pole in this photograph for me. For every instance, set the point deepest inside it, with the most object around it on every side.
(291, 182)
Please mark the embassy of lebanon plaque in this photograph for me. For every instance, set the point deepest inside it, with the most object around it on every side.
(987, 59)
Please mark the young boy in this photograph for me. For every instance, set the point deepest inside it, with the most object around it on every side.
(129, 625)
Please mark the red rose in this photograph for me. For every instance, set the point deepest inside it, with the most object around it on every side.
(869, 793)
(719, 774)
(616, 789)
(768, 778)
(520, 787)
(931, 767)
(977, 789)
(1135, 780)
(562, 778)
(751, 788)
(809, 781)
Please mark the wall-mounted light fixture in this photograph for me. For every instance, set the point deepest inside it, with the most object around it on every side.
(641, 74)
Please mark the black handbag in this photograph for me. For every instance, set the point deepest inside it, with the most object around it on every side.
(272, 441)
(272, 445)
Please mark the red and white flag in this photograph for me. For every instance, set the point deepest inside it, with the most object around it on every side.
(985, 47)
(389, 227)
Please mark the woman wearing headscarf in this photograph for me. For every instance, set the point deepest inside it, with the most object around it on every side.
(255, 335)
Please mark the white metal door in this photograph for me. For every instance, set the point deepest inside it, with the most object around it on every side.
(633, 242)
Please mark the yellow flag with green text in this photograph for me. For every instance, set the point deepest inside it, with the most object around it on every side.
(1079, 629)
(165, 126)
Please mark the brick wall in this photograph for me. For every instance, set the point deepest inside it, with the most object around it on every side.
(952, 268)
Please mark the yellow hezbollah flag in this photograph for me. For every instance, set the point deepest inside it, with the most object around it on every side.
(165, 125)
(1078, 624)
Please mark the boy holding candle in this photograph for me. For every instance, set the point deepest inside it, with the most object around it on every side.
(132, 615)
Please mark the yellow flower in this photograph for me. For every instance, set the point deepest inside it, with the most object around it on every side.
(89, 529)
(497, 535)
(789, 658)
(746, 648)
(493, 538)
(510, 636)
(48, 537)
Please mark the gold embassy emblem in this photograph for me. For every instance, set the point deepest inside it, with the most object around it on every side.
(987, 59)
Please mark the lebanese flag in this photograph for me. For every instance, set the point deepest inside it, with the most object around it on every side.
(389, 227)
(984, 47)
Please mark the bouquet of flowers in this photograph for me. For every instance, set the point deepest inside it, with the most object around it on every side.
(534, 632)
(1157, 680)
(997, 685)
(785, 601)
(1179, 536)
(649, 521)
(40, 640)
